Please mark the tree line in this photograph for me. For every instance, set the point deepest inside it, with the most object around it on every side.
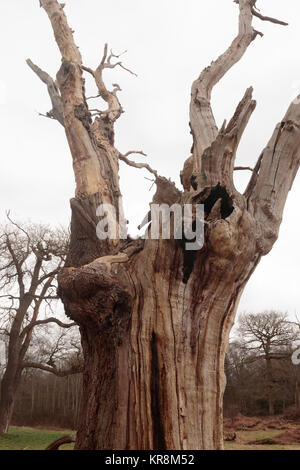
(44, 399)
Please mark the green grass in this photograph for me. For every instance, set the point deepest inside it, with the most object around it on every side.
(23, 438)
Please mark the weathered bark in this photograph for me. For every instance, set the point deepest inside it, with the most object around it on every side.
(154, 346)
(154, 331)
(155, 318)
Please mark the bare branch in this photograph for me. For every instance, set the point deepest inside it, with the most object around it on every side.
(92, 97)
(91, 72)
(114, 55)
(114, 107)
(98, 112)
(29, 331)
(137, 165)
(53, 370)
(243, 168)
(256, 13)
(44, 322)
(139, 152)
(18, 266)
(109, 65)
(268, 18)
(112, 66)
(19, 227)
(57, 110)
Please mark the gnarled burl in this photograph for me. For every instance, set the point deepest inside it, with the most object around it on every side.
(155, 318)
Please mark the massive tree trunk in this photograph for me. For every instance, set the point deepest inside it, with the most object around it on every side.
(155, 317)
(154, 344)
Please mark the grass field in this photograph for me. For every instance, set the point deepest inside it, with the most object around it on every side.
(23, 438)
(247, 436)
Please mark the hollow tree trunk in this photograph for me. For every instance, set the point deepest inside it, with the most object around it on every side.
(154, 318)
(154, 330)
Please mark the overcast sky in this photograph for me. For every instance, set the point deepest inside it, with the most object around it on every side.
(169, 42)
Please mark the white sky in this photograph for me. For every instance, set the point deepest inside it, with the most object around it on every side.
(168, 43)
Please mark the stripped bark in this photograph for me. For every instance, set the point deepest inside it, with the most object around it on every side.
(155, 318)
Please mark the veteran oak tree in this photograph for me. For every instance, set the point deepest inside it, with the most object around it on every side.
(155, 317)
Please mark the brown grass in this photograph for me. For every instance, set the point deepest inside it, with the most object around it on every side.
(264, 433)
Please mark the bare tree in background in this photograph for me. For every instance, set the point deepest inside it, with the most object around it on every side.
(269, 337)
(30, 258)
(155, 317)
(239, 373)
(45, 398)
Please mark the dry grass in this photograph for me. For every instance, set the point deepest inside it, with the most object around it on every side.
(284, 433)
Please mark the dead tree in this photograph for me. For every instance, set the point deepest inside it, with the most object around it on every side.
(155, 317)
